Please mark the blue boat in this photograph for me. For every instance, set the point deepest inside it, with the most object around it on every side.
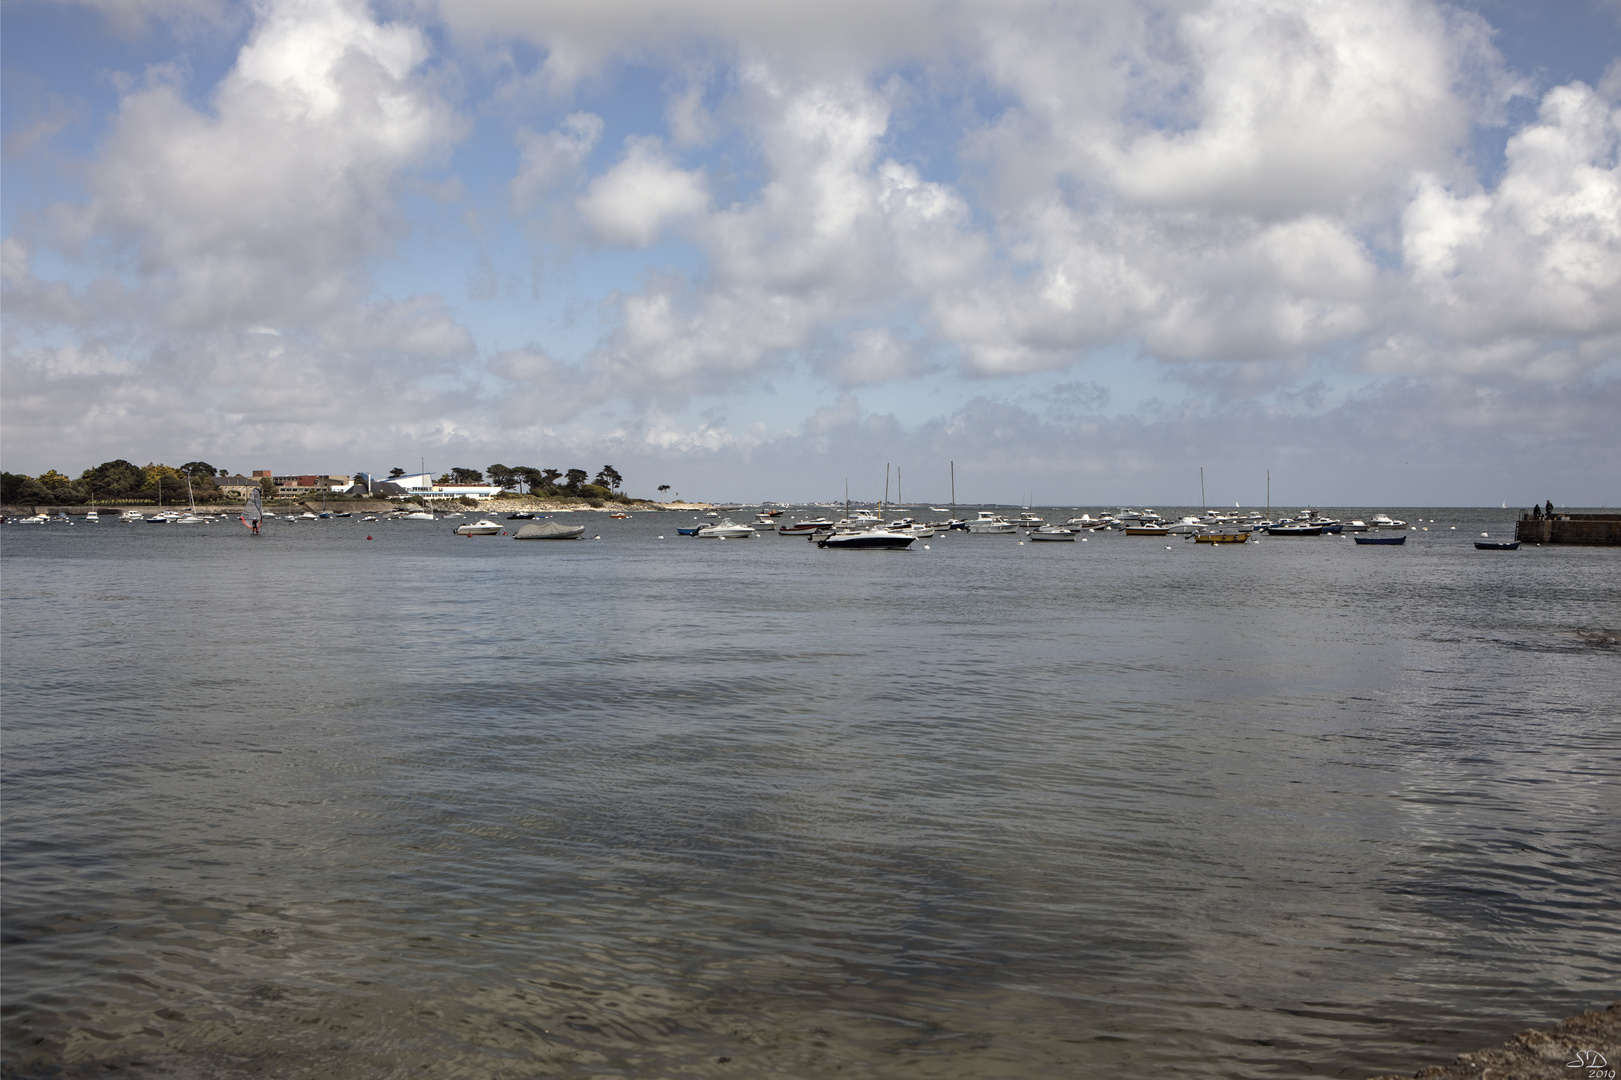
(1382, 540)
(1497, 545)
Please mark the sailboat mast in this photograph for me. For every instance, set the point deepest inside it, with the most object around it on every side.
(1269, 493)
(953, 483)
(1202, 504)
(886, 489)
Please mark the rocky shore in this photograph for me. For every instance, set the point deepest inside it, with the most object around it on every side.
(1585, 1047)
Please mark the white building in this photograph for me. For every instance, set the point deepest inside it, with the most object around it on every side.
(423, 484)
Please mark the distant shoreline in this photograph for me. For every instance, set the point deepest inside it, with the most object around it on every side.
(369, 506)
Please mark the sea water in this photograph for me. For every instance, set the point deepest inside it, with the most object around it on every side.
(366, 799)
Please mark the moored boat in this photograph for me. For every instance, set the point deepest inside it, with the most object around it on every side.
(1382, 541)
(726, 529)
(482, 527)
(1497, 545)
(549, 530)
(867, 538)
(989, 521)
(1222, 536)
(1050, 533)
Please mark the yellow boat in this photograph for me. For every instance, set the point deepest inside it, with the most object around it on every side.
(1234, 537)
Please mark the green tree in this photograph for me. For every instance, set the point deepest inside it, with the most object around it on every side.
(663, 488)
(466, 477)
(10, 485)
(573, 480)
(162, 481)
(114, 479)
(549, 479)
(501, 476)
(32, 492)
(395, 472)
(609, 477)
(267, 487)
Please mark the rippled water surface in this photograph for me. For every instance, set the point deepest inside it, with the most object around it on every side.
(314, 805)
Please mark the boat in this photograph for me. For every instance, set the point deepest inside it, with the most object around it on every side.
(1384, 541)
(989, 521)
(1385, 521)
(1287, 528)
(483, 527)
(521, 515)
(549, 530)
(1496, 545)
(1222, 536)
(688, 532)
(1355, 525)
(37, 519)
(1027, 520)
(92, 518)
(726, 529)
(800, 528)
(867, 538)
(1147, 530)
(187, 519)
(423, 515)
(130, 515)
(1049, 532)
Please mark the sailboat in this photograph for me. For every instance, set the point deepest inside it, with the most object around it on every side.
(190, 516)
(253, 512)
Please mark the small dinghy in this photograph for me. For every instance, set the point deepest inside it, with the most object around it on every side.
(1497, 545)
(549, 530)
(1049, 533)
(1382, 541)
(482, 527)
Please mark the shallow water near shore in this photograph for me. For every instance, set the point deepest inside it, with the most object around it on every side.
(309, 804)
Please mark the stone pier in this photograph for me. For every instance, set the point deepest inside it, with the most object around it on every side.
(1569, 529)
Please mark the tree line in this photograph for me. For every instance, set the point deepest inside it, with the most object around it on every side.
(124, 481)
(117, 480)
(543, 483)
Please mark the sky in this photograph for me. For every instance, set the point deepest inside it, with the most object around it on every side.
(1072, 253)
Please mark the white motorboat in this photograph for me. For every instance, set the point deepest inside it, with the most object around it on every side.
(187, 519)
(420, 515)
(1027, 520)
(989, 521)
(1354, 525)
(92, 518)
(726, 529)
(481, 527)
(867, 538)
(803, 528)
(163, 518)
(37, 519)
(130, 515)
(911, 528)
(1048, 532)
(1385, 521)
